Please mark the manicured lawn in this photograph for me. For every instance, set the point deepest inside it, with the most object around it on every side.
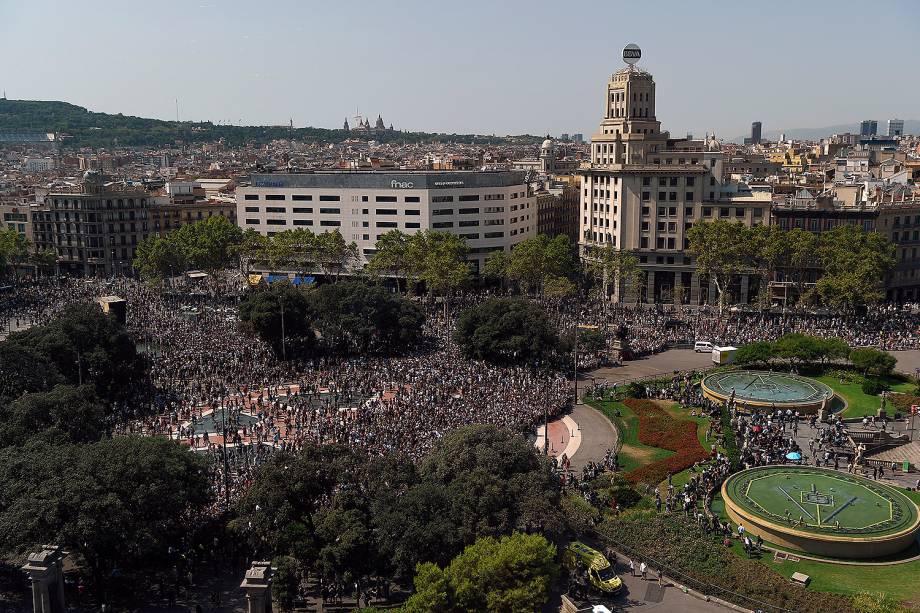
(858, 403)
(633, 454)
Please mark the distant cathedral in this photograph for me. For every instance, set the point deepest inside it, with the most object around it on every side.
(363, 125)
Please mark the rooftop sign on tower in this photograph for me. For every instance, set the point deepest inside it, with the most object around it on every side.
(631, 54)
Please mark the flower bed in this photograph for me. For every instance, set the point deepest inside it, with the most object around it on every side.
(657, 428)
(902, 402)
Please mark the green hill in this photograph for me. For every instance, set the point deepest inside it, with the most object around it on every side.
(89, 129)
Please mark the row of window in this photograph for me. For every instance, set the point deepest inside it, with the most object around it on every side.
(329, 198)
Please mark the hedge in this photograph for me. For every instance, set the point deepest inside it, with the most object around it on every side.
(665, 541)
(657, 428)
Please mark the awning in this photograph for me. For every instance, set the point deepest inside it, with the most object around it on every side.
(305, 280)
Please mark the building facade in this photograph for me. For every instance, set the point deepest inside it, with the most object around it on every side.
(643, 190)
(492, 210)
(94, 228)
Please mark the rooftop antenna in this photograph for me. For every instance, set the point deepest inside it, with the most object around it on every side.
(177, 110)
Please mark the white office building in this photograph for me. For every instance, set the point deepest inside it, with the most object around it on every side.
(492, 210)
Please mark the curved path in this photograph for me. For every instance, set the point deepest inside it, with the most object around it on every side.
(584, 436)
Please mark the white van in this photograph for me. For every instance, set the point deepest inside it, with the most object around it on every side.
(702, 347)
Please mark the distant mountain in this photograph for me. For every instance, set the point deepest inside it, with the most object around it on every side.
(90, 129)
(911, 126)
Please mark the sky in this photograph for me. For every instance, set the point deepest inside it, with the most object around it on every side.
(489, 67)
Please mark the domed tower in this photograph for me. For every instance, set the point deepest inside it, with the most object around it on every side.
(93, 181)
(547, 157)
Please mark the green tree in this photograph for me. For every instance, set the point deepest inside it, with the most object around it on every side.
(285, 582)
(439, 260)
(535, 260)
(14, 251)
(211, 244)
(333, 254)
(45, 261)
(723, 250)
(514, 573)
(391, 257)
(759, 352)
(609, 266)
(24, 370)
(797, 348)
(358, 318)
(87, 346)
(506, 330)
(66, 414)
(801, 259)
(873, 361)
(832, 349)
(158, 258)
(119, 503)
(283, 316)
(854, 265)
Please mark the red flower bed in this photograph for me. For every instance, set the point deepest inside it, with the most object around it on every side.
(657, 428)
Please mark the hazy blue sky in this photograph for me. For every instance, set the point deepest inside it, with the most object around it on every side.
(468, 65)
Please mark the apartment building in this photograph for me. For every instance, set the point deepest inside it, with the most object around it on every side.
(94, 227)
(492, 210)
(643, 190)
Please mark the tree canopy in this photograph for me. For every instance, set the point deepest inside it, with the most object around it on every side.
(513, 573)
(263, 310)
(506, 330)
(210, 244)
(117, 503)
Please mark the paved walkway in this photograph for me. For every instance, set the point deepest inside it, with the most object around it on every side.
(663, 364)
(908, 361)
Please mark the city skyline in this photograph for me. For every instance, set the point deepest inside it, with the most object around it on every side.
(421, 69)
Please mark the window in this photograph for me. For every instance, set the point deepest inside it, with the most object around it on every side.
(494, 197)
(493, 235)
(412, 212)
(387, 224)
(301, 198)
(469, 223)
(411, 199)
(276, 222)
(469, 198)
(645, 210)
(365, 237)
(252, 209)
(646, 196)
(723, 211)
(303, 210)
(643, 242)
(468, 211)
(442, 212)
(688, 211)
(330, 211)
(689, 196)
(662, 195)
(739, 212)
(691, 181)
(329, 199)
(253, 222)
(646, 181)
(497, 209)
(472, 236)
(413, 224)
(672, 196)
(662, 211)
(385, 211)
(303, 222)
(645, 226)
(385, 199)
(275, 197)
(275, 209)
(662, 181)
(251, 196)
(672, 211)
(707, 211)
(674, 179)
(363, 198)
(493, 222)
(330, 222)
(442, 198)
(443, 224)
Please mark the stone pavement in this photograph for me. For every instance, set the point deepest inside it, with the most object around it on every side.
(646, 595)
(908, 361)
